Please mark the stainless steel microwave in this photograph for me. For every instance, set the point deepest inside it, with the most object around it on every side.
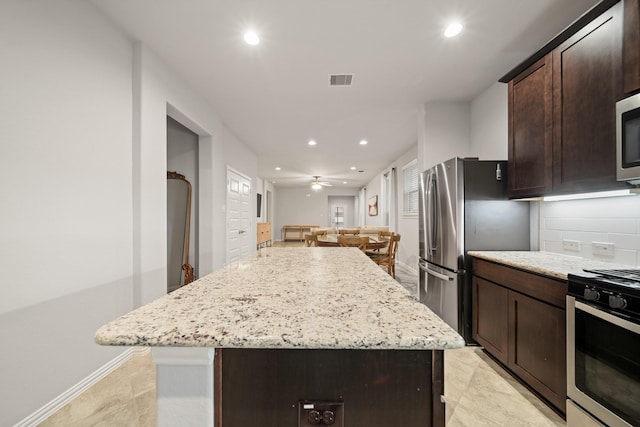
(628, 139)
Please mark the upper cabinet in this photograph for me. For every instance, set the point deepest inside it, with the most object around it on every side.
(562, 109)
(587, 82)
(530, 148)
(631, 46)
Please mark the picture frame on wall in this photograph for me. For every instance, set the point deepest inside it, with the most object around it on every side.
(373, 206)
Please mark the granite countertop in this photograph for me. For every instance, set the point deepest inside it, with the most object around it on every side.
(545, 263)
(321, 298)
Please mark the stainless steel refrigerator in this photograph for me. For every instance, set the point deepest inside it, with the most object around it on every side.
(463, 207)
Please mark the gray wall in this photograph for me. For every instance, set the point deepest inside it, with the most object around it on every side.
(65, 165)
(303, 206)
(83, 160)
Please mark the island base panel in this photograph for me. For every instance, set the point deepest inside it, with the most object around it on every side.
(379, 388)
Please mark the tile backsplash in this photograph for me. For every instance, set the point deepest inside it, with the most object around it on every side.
(606, 229)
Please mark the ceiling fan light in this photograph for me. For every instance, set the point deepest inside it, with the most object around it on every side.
(316, 186)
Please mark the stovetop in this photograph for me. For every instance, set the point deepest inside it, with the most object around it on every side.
(632, 274)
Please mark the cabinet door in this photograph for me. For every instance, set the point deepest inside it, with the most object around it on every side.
(631, 45)
(537, 346)
(490, 317)
(530, 148)
(587, 82)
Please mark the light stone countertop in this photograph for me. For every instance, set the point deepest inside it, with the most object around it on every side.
(320, 298)
(545, 263)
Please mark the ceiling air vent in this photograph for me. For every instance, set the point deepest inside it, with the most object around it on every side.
(340, 79)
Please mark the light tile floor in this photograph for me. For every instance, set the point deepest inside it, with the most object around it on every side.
(478, 392)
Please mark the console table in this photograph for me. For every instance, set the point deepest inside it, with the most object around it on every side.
(296, 232)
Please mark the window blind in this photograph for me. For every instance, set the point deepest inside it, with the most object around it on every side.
(410, 185)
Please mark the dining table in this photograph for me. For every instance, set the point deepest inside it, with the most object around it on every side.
(332, 240)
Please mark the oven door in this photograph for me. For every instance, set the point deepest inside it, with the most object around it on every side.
(603, 364)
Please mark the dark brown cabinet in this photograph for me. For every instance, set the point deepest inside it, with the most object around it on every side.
(519, 318)
(537, 350)
(587, 82)
(631, 46)
(562, 113)
(490, 317)
(530, 148)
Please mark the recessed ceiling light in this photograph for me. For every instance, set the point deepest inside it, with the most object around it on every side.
(344, 182)
(363, 142)
(353, 168)
(453, 29)
(251, 38)
(278, 168)
(312, 142)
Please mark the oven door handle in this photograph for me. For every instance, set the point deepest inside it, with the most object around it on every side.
(607, 317)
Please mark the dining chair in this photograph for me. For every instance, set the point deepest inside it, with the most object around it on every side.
(388, 259)
(311, 240)
(383, 236)
(349, 231)
(354, 241)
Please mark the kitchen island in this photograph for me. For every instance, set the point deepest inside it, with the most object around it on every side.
(251, 342)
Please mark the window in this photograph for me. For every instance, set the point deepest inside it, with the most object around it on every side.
(410, 188)
(386, 198)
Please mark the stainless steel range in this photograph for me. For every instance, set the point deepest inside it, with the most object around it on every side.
(603, 348)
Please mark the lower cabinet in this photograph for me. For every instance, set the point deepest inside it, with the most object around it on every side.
(490, 317)
(519, 318)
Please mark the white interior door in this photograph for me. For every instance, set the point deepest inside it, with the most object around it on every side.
(238, 216)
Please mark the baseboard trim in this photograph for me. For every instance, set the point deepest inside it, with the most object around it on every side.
(406, 267)
(56, 404)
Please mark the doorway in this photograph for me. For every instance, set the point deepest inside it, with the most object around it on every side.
(182, 158)
(342, 211)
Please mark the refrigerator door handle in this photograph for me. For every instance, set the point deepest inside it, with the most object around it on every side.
(431, 214)
(435, 273)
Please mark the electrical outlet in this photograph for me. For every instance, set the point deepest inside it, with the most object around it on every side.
(571, 245)
(602, 248)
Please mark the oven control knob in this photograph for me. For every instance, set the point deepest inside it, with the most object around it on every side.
(591, 294)
(616, 301)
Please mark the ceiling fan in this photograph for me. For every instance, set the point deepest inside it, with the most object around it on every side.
(317, 184)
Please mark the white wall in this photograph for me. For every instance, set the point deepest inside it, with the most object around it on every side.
(83, 156)
(444, 131)
(613, 220)
(489, 124)
(373, 188)
(66, 191)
